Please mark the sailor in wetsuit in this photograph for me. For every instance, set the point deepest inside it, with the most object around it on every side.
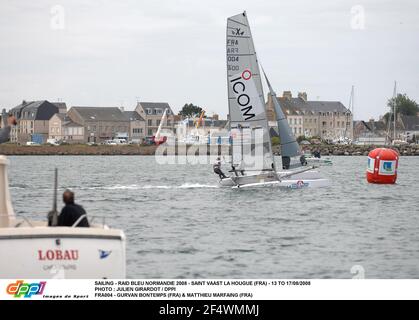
(303, 160)
(217, 169)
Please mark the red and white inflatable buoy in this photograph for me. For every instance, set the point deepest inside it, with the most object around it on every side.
(382, 166)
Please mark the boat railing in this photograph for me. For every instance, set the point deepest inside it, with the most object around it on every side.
(35, 223)
(92, 218)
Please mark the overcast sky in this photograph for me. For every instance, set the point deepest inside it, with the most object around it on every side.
(113, 53)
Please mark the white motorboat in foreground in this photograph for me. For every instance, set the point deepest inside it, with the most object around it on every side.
(32, 249)
(252, 160)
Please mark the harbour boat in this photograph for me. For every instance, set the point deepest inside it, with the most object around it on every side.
(32, 249)
(252, 160)
(158, 138)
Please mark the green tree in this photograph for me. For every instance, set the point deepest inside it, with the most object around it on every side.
(275, 141)
(404, 105)
(190, 110)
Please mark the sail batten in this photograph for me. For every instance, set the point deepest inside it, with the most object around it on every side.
(248, 121)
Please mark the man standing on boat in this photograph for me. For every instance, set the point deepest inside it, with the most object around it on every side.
(5, 132)
(71, 212)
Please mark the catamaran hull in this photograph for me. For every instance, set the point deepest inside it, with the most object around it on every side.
(300, 180)
(289, 184)
(46, 252)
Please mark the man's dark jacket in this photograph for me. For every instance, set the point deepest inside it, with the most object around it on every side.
(70, 214)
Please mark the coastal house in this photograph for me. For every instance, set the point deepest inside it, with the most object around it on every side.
(62, 107)
(100, 123)
(152, 113)
(136, 132)
(63, 129)
(32, 121)
(370, 132)
(410, 127)
(328, 120)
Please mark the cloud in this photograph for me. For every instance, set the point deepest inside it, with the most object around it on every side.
(174, 50)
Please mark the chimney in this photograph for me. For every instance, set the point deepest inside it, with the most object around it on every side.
(287, 94)
(302, 95)
(215, 116)
(23, 102)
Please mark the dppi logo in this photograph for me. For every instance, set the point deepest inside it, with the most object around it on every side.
(27, 290)
(243, 99)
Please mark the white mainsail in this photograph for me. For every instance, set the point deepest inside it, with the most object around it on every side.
(252, 149)
(163, 119)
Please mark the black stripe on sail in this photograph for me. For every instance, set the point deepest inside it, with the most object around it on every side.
(231, 36)
(233, 98)
(241, 23)
(250, 120)
(240, 54)
(283, 144)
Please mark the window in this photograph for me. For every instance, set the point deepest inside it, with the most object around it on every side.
(299, 121)
(299, 130)
(157, 122)
(148, 111)
(150, 132)
(295, 130)
(168, 111)
(150, 122)
(159, 111)
(168, 123)
(338, 124)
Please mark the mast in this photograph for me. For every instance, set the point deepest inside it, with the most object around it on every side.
(53, 214)
(394, 110)
(351, 111)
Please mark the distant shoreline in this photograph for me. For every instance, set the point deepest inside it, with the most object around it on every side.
(141, 150)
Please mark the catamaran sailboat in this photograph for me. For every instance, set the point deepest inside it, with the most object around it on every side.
(252, 160)
(32, 249)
